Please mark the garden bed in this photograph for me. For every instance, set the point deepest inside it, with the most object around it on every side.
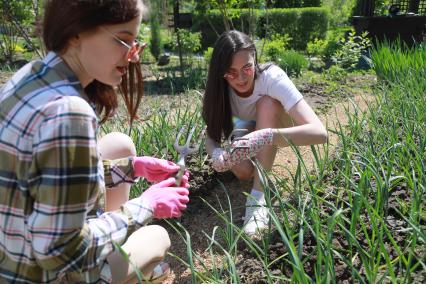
(216, 196)
(200, 219)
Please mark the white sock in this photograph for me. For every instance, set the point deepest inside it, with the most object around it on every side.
(257, 194)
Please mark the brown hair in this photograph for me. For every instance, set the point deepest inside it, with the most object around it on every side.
(64, 20)
(216, 103)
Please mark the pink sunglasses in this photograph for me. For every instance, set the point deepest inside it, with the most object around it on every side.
(246, 70)
(132, 50)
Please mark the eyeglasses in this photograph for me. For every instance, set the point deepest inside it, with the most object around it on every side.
(247, 70)
(132, 50)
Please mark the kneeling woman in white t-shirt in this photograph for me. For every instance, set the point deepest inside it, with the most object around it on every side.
(240, 93)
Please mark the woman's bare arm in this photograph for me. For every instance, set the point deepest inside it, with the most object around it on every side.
(309, 129)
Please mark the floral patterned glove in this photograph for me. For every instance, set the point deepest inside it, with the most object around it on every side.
(249, 145)
(220, 160)
(241, 149)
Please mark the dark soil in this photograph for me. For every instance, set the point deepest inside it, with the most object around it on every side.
(316, 96)
(251, 270)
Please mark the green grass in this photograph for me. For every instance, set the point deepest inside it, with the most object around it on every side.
(156, 135)
(395, 63)
(343, 207)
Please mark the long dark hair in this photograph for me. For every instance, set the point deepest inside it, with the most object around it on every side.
(216, 103)
(64, 20)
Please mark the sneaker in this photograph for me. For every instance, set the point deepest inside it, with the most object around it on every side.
(256, 218)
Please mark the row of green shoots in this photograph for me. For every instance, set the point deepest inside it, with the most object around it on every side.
(360, 210)
(155, 132)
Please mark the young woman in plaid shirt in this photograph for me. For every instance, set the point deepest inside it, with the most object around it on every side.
(64, 194)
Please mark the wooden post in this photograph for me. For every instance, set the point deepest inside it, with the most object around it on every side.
(364, 8)
(413, 6)
(368, 7)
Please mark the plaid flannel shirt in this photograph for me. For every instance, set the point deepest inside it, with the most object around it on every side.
(52, 177)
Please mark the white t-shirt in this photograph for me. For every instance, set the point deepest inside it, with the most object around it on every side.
(272, 82)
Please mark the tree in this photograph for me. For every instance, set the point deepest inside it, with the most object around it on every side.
(224, 5)
(18, 19)
(154, 20)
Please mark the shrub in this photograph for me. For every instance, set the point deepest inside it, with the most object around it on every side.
(335, 73)
(351, 49)
(208, 56)
(292, 62)
(316, 47)
(340, 11)
(301, 24)
(295, 3)
(190, 42)
(8, 42)
(332, 43)
(274, 47)
(312, 23)
(146, 56)
(155, 41)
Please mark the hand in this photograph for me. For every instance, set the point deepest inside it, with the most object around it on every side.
(184, 183)
(168, 201)
(249, 145)
(153, 169)
(220, 160)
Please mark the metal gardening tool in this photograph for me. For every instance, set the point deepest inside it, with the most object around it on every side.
(232, 138)
(184, 150)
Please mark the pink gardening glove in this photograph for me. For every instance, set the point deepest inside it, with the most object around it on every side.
(185, 178)
(168, 201)
(153, 169)
(249, 145)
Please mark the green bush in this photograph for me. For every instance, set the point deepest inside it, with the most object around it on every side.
(280, 21)
(212, 24)
(208, 56)
(190, 42)
(248, 21)
(8, 42)
(335, 73)
(312, 23)
(292, 62)
(272, 48)
(340, 11)
(351, 49)
(295, 3)
(332, 42)
(301, 24)
(146, 56)
(155, 40)
(316, 47)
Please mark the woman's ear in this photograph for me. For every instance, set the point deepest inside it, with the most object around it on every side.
(74, 41)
